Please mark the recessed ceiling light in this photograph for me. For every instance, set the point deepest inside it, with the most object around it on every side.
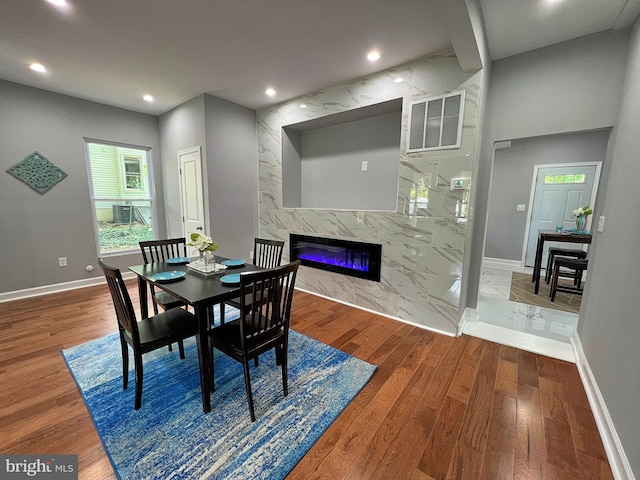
(373, 55)
(398, 80)
(302, 105)
(58, 3)
(270, 91)
(148, 98)
(37, 67)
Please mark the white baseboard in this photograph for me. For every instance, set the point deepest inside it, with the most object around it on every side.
(435, 330)
(469, 315)
(58, 287)
(501, 263)
(618, 461)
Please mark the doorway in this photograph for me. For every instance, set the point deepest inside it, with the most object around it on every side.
(192, 192)
(557, 190)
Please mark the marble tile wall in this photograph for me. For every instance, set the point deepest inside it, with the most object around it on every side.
(422, 254)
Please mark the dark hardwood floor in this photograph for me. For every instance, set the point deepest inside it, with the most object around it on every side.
(437, 407)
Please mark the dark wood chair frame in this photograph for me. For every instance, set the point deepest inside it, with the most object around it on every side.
(146, 335)
(570, 268)
(156, 251)
(561, 252)
(265, 310)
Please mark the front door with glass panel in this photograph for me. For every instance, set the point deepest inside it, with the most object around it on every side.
(558, 192)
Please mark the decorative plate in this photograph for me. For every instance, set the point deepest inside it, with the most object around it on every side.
(179, 260)
(231, 279)
(166, 277)
(233, 263)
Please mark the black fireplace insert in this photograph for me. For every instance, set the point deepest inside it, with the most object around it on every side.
(358, 259)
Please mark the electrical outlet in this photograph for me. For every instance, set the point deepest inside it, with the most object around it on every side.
(521, 207)
(62, 261)
(365, 165)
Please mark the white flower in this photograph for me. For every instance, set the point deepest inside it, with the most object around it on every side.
(578, 211)
(202, 242)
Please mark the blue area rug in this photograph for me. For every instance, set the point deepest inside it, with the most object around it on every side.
(170, 437)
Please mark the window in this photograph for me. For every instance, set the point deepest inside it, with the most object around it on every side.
(436, 122)
(569, 178)
(121, 196)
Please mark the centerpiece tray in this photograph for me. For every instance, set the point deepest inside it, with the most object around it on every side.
(199, 266)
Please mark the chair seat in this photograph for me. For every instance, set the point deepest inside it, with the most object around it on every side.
(227, 336)
(571, 268)
(174, 324)
(564, 252)
(166, 300)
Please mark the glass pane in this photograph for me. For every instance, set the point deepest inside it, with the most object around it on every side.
(450, 131)
(549, 179)
(433, 133)
(122, 224)
(452, 106)
(580, 178)
(435, 109)
(569, 178)
(416, 134)
(559, 179)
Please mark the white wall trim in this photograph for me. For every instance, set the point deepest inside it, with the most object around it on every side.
(58, 287)
(512, 265)
(469, 315)
(449, 334)
(618, 461)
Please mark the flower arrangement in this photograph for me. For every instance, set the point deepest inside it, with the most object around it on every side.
(203, 243)
(585, 211)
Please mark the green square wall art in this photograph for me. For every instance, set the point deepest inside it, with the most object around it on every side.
(37, 172)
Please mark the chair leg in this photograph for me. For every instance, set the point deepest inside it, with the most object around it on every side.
(247, 385)
(285, 372)
(125, 363)
(139, 374)
(213, 365)
(547, 273)
(554, 282)
(180, 348)
(221, 307)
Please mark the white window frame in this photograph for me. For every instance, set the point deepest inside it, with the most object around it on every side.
(148, 197)
(426, 101)
(128, 158)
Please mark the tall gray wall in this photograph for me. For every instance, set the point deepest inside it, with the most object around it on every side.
(226, 134)
(609, 329)
(513, 170)
(232, 162)
(180, 129)
(569, 87)
(36, 229)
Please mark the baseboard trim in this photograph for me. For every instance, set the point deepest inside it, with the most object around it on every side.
(58, 287)
(513, 265)
(431, 329)
(618, 461)
(469, 315)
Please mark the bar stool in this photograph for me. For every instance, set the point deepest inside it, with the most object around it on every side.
(563, 252)
(571, 268)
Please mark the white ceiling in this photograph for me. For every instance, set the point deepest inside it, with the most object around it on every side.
(114, 51)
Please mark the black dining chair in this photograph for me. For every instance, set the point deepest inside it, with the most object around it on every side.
(265, 310)
(148, 334)
(561, 252)
(266, 254)
(156, 251)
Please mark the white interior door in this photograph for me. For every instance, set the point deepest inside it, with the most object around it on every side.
(191, 191)
(558, 192)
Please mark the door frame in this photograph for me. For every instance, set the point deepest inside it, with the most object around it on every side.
(205, 191)
(536, 168)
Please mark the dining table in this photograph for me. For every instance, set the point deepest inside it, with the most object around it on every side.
(200, 291)
(563, 236)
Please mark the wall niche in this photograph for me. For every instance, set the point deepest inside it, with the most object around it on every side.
(346, 161)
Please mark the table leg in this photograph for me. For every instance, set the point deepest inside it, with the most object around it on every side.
(142, 292)
(537, 266)
(204, 357)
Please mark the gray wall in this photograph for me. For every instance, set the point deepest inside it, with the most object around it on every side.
(180, 129)
(36, 229)
(512, 178)
(609, 329)
(569, 87)
(331, 161)
(232, 162)
(226, 133)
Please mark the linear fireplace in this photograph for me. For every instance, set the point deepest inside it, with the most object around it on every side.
(358, 259)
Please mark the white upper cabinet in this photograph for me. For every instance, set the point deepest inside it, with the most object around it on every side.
(436, 123)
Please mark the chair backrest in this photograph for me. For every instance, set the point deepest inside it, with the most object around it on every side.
(265, 300)
(154, 251)
(121, 302)
(267, 253)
